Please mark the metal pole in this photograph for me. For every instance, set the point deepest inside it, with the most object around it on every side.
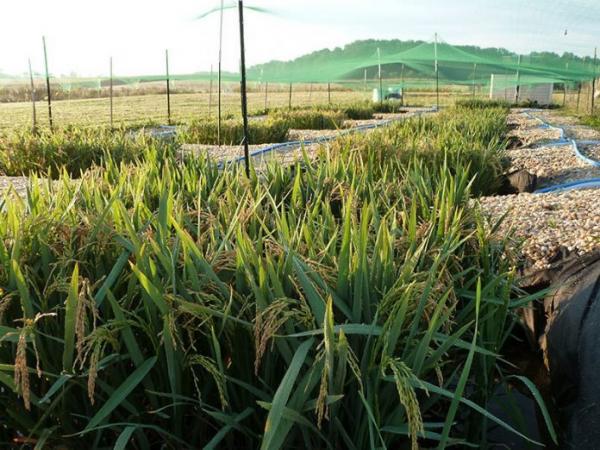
(518, 90)
(437, 73)
(474, 75)
(290, 99)
(402, 84)
(34, 115)
(111, 91)
(210, 89)
(220, 76)
(48, 83)
(266, 96)
(243, 88)
(380, 79)
(168, 88)
(594, 79)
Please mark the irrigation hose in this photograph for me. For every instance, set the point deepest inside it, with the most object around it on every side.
(581, 184)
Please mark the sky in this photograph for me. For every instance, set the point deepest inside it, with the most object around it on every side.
(82, 35)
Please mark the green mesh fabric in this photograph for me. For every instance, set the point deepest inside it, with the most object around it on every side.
(411, 67)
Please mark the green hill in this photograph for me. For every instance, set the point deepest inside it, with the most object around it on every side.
(349, 62)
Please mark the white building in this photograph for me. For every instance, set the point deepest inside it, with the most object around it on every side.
(503, 87)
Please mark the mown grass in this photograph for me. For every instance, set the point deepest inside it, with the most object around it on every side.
(356, 301)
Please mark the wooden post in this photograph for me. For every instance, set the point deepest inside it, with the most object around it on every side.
(243, 89)
(34, 115)
(48, 84)
(110, 90)
(168, 88)
(210, 89)
(290, 98)
(564, 94)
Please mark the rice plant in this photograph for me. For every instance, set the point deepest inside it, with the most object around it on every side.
(353, 301)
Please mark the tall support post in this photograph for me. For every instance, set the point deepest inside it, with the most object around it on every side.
(110, 90)
(210, 89)
(48, 93)
(219, 81)
(564, 94)
(380, 78)
(474, 78)
(437, 73)
(168, 87)
(578, 95)
(594, 79)
(266, 96)
(33, 111)
(290, 98)
(366, 89)
(518, 89)
(329, 92)
(243, 88)
(402, 84)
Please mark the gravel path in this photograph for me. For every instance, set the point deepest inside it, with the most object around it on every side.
(547, 223)
(571, 126)
(552, 164)
(592, 151)
(19, 184)
(215, 152)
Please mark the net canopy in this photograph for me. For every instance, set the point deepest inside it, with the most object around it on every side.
(413, 66)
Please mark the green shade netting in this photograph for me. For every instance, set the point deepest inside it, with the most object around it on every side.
(413, 66)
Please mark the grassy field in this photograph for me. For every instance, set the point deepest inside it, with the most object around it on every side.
(136, 110)
(355, 301)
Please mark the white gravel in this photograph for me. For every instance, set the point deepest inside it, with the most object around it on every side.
(17, 185)
(544, 223)
(552, 164)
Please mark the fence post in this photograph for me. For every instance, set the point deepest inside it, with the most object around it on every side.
(110, 90)
(594, 79)
(290, 99)
(168, 88)
(48, 84)
(243, 88)
(266, 96)
(437, 73)
(34, 115)
(329, 92)
(210, 90)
